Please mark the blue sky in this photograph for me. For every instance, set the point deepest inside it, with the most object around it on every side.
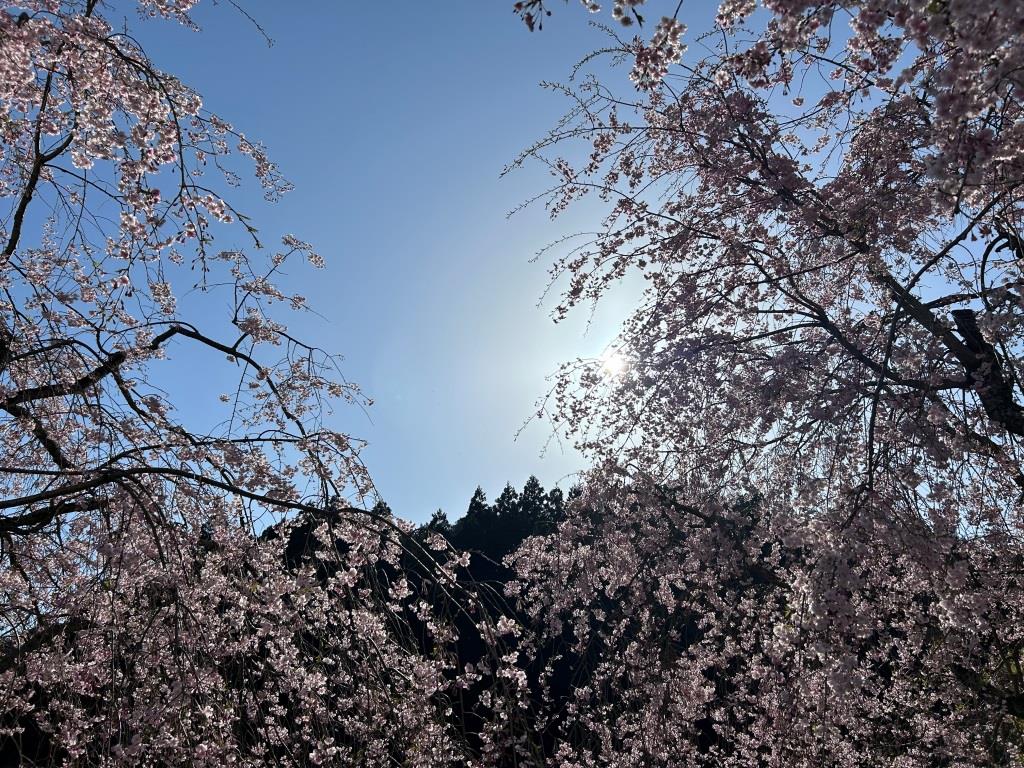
(394, 121)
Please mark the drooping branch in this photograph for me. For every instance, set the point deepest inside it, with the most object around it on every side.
(39, 518)
(40, 433)
(40, 639)
(77, 387)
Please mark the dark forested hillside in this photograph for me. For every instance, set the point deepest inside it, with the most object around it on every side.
(492, 531)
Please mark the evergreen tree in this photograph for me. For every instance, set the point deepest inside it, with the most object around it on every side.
(533, 500)
(507, 504)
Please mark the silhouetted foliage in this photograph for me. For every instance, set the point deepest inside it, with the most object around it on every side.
(492, 531)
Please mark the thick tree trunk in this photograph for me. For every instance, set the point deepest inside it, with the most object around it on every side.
(992, 386)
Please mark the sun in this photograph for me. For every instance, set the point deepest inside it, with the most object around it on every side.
(613, 364)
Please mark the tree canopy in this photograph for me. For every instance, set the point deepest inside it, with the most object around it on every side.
(823, 199)
(799, 542)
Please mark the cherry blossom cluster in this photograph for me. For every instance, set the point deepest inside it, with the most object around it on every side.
(709, 633)
(653, 60)
(208, 647)
(533, 12)
(825, 210)
(151, 609)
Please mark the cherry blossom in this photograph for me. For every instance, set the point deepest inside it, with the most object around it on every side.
(151, 611)
(803, 537)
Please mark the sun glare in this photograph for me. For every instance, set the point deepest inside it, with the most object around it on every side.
(613, 363)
